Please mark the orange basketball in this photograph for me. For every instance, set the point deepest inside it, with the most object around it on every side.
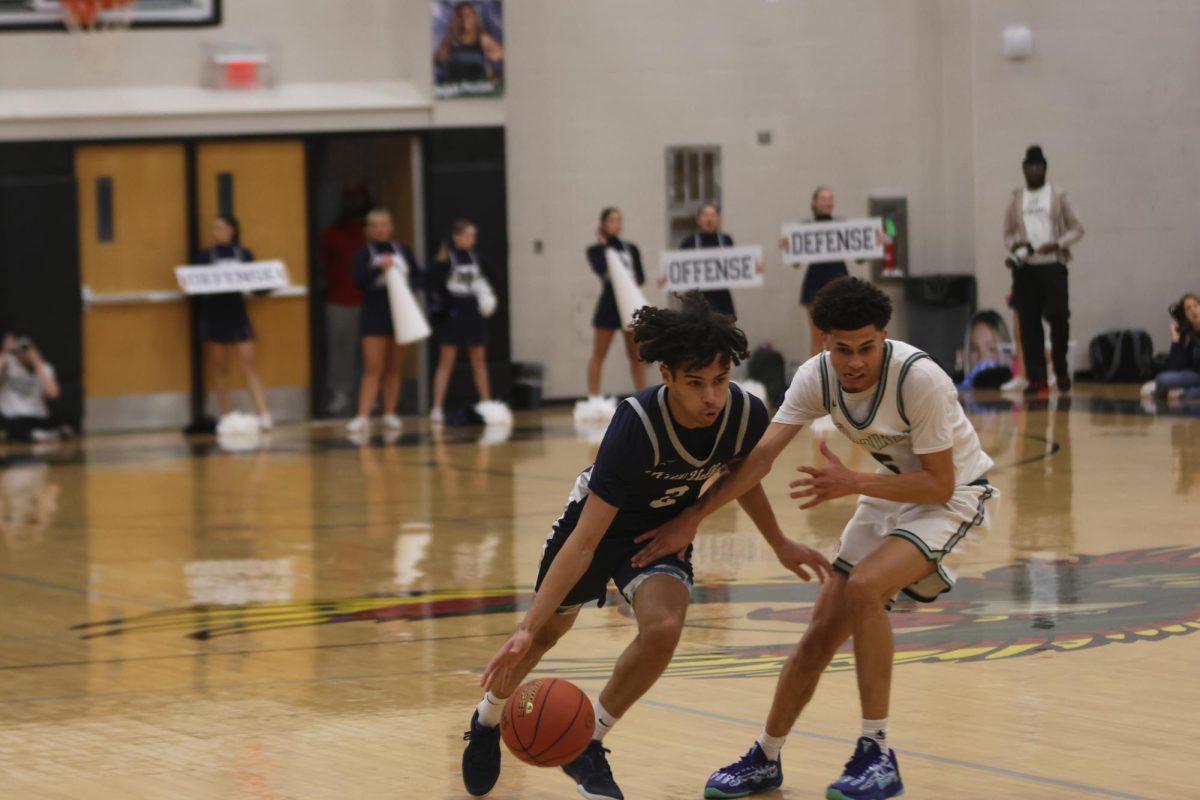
(547, 722)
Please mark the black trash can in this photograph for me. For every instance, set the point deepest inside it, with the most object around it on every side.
(527, 386)
(939, 309)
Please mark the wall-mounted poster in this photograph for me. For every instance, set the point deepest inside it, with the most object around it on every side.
(468, 48)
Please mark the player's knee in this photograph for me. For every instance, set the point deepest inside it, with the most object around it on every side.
(662, 633)
(864, 593)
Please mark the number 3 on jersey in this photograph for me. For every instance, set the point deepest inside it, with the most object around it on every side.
(671, 497)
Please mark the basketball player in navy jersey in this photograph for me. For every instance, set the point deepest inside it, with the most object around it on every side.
(661, 447)
(926, 502)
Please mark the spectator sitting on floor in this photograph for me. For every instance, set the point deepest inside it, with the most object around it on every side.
(1181, 377)
(27, 381)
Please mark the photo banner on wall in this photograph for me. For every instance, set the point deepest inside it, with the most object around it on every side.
(468, 48)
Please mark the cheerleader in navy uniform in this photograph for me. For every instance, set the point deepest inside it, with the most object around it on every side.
(820, 273)
(607, 319)
(708, 220)
(382, 356)
(224, 326)
(459, 278)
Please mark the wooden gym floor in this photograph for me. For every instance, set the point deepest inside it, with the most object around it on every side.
(308, 620)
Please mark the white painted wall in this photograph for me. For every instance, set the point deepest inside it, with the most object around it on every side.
(910, 95)
(854, 94)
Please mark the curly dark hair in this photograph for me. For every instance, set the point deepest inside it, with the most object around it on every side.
(688, 337)
(848, 304)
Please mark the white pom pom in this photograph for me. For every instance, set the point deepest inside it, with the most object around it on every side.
(495, 434)
(236, 423)
(238, 432)
(494, 412)
(595, 409)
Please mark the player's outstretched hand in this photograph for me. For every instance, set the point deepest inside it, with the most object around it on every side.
(829, 482)
(796, 557)
(671, 537)
(496, 673)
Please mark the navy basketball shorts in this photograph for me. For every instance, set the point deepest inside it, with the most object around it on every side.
(611, 562)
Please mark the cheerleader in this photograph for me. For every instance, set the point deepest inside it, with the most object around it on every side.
(820, 273)
(708, 234)
(224, 327)
(382, 356)
(607, 320)
(458, 278)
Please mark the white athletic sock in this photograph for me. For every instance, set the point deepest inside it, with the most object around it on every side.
(490, 710)
(604, 722)
(877, 729)
(771, 745)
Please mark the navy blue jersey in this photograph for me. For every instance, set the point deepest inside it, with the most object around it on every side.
(702, 240)
(651, 468)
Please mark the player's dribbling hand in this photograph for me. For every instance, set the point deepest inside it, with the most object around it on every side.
(829, 482)
(500, 667)
(672, 537)
(796, 557)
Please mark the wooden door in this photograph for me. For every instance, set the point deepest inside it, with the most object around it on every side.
(132, 233)
(263, 185)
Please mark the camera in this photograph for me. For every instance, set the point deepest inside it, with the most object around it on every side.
(1016, 258)
(1177, 313)
(22, 344)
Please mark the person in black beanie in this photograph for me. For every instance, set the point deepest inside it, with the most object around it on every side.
(1040, 227)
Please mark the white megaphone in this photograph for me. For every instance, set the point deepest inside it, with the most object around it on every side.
(407, 320)
(629, 295)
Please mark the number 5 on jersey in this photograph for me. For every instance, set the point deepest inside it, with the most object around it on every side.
(671, 497)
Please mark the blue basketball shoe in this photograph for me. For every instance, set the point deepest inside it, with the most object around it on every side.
(592, 775)
(753, 773)
(481, 759)
(870, 774)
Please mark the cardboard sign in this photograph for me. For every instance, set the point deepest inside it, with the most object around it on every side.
(712, 268)
(840, 240)
(232, 276)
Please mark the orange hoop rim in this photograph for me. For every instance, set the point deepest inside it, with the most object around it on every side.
(90, 14)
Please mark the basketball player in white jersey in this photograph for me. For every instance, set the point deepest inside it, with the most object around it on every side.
(925, 504)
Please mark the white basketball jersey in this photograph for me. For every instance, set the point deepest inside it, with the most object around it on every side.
(912, 410)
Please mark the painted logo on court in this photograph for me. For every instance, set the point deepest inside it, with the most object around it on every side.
(1023, 609)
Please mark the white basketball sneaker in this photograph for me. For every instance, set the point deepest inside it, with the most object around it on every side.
(358, 425)
(392, 422)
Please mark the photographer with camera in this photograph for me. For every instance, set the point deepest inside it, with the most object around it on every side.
(1039, 230)
(26, 382)
(1180, 380)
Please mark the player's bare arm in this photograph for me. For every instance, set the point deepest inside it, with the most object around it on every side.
(932, 485)
(740, 478)
(564, 573)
